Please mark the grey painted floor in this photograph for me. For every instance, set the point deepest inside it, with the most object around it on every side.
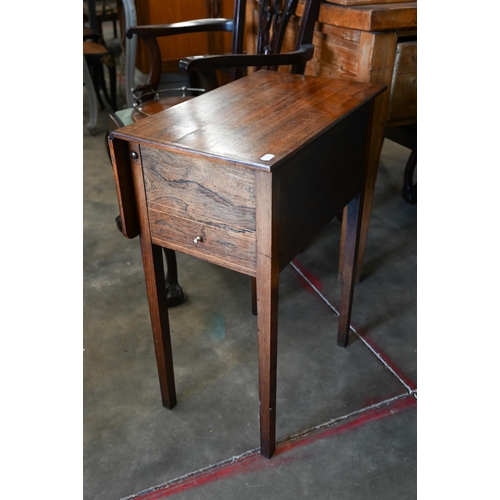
(352, 411)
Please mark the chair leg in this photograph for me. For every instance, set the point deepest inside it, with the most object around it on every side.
(175, 295)
(109, 62)
(409, 191)
(96, 74)
(352, 222)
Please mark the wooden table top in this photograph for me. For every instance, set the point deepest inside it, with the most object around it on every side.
(256, 121)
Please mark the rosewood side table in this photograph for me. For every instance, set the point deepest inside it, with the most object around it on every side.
(245, 176)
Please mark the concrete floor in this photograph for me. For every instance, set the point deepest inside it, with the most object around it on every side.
(346, 418)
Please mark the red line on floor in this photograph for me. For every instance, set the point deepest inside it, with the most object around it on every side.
(317, 283)
(408, 381)
(371, 416)
(310, 276)
(256, 462)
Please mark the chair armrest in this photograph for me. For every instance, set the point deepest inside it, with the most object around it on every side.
(199, 25)
(205, 66)
(150, 34)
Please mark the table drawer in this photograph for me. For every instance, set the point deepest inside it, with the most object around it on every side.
(197, 188)
(216, 243)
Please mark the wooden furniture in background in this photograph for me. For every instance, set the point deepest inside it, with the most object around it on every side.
(366, 41)
(249, 204)
(97, 57)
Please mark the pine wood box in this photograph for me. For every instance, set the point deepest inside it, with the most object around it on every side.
(365, 2)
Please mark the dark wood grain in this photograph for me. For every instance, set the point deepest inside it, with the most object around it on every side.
(200, 188)
(219, 244)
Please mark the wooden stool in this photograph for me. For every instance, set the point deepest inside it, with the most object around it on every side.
(97, 56)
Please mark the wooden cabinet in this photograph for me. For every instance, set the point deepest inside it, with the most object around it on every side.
(174, 48)
(365, 41)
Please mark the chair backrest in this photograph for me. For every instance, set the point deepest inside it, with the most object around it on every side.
(273, 21)
(274, 16)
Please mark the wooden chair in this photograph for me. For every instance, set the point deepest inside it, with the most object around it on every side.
(274, 16)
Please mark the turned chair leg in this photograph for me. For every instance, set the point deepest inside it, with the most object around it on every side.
(409, 191)
(175, 295)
